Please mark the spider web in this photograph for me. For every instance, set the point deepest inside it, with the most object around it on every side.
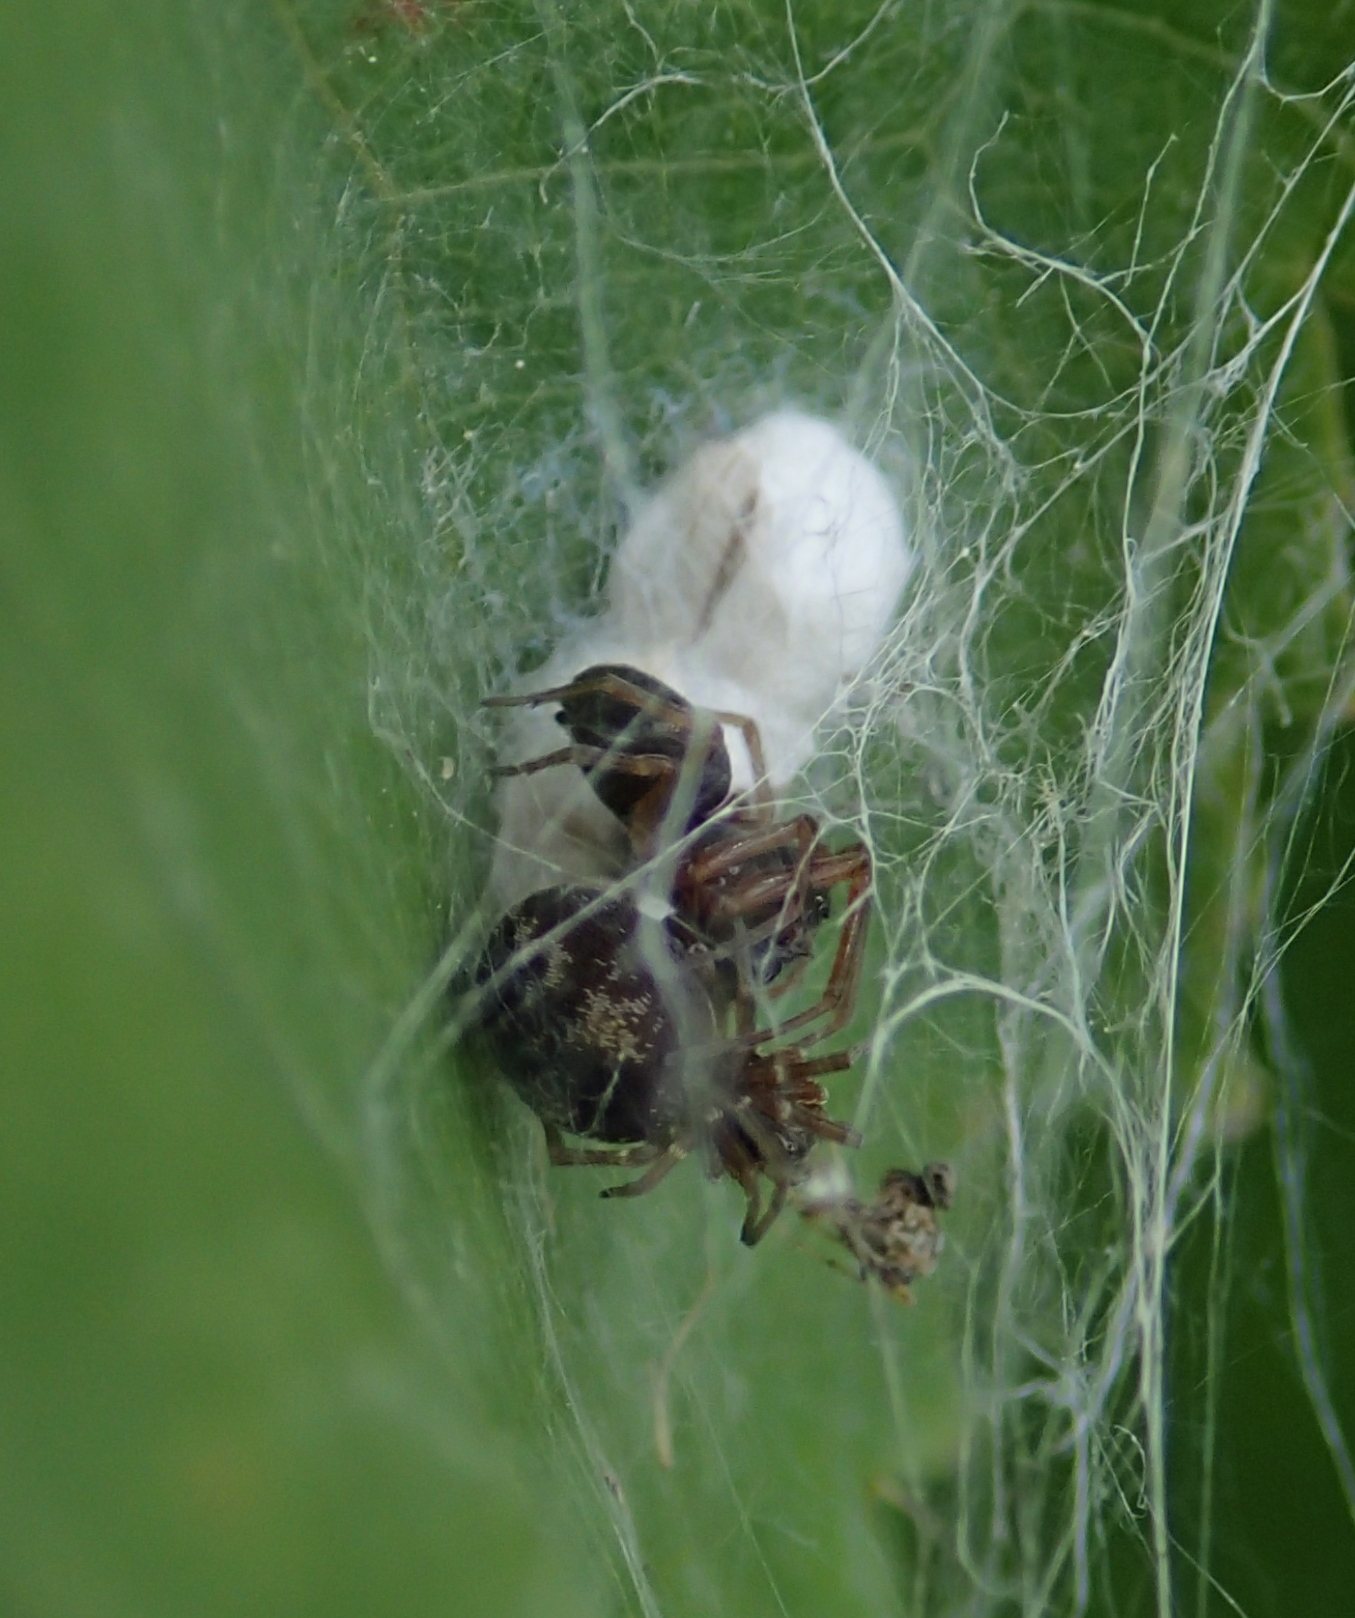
(1061, 270)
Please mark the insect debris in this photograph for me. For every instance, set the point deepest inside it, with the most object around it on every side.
(896, 1237)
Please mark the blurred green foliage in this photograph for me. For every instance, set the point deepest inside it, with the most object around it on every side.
(214, 1397)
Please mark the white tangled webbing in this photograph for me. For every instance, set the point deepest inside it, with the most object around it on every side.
(1101, 414)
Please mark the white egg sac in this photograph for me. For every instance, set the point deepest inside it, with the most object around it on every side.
(767, 567)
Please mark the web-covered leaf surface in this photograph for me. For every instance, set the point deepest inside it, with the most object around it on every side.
(1076, 276)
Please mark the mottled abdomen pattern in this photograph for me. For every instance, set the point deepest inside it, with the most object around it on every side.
(595, 1014)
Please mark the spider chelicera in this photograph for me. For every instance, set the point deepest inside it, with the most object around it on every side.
(751, 886)
(608, 1023)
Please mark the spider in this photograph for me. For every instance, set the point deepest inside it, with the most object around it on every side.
(895, 1238)
(751, 887)
(608, 1024)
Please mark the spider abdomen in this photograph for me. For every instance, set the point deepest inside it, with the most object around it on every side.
(595, 1014)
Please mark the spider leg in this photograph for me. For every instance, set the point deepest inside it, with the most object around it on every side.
(838, 1001)
(663, 1165)
(652, 766)
(718, 911)
(836, 1062)
(740, 844)
(761, 791)
(665, 705)
(525, 699)
(755, 1224)
(733, 1152)
(563, 1156)
(782, 1087)
(812, 1119)
(752, 1190)
(582, 756)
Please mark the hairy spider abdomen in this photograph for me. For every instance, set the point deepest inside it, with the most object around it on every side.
(592, 1010)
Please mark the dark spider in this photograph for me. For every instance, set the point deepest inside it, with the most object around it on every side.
(752, 887)
(610, 1025)
(896, 1237)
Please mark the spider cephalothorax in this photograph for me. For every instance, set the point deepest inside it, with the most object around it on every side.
(610, 1025)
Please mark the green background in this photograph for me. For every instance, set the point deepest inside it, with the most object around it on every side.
(321, 389)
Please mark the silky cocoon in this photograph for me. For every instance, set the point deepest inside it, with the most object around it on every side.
(769, 564)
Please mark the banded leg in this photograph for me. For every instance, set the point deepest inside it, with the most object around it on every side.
(738, 913)
(662, 1166)
(651, 766)
(616, 1157)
